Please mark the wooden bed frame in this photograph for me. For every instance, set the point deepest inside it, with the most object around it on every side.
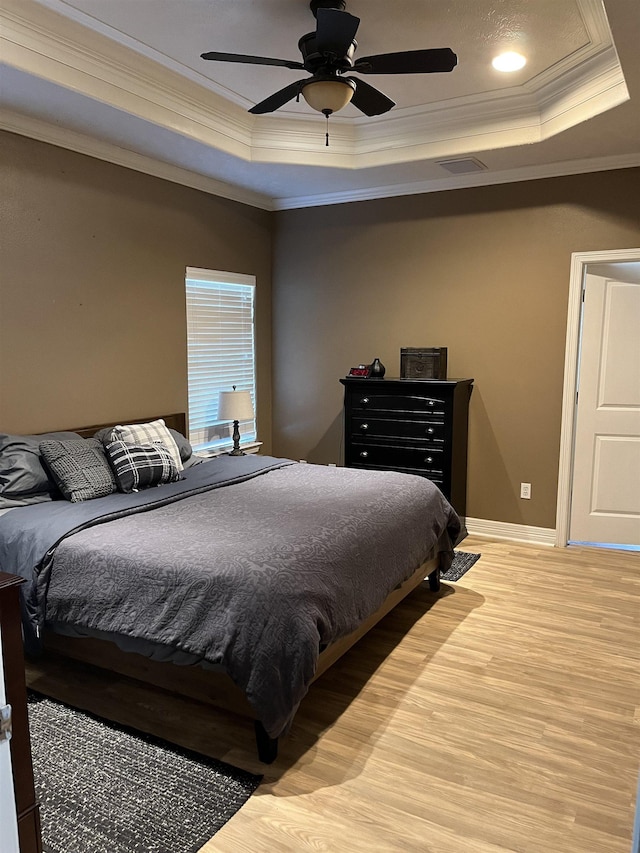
(215, 688)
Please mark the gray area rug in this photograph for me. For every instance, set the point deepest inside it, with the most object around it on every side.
(107, 789)
(462, 562)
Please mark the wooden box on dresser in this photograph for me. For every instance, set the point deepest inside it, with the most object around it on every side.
(418, 426)
(15, 690)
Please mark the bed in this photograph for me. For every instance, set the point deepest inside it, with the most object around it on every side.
(236, 580)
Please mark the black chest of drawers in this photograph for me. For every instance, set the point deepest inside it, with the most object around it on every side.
(413, 425)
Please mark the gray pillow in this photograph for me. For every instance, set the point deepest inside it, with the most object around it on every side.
(103, 435)
(25, 500)
(193, 460)
(23, 479)
(184, 445)
(80, 468)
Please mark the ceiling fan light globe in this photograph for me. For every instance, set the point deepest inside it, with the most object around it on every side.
(328, 96)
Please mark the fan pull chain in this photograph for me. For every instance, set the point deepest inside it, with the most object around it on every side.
(327, 113)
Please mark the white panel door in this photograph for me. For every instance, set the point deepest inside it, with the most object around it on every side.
(605, 500)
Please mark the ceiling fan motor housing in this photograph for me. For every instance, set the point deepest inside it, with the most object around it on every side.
(314, 61)
(314, 5)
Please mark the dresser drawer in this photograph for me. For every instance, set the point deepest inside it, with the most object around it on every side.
(427, 431)
(405, 404)
(382, 455)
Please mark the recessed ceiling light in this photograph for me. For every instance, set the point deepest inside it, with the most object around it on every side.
(510, 61)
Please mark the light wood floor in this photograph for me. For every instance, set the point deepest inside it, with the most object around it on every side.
(500, 716)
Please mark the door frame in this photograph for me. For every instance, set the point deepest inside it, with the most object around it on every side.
(579, 264)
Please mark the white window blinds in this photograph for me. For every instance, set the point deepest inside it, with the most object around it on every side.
(221, 352)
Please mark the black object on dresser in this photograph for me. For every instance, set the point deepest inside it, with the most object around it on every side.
(412, 425)
(15, 689)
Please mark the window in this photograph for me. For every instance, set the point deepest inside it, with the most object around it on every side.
(221, 353)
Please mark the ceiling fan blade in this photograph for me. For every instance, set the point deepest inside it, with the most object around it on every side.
(368, 100)
(408, 62)
(251, 60)
(278, 99)
(335, 31)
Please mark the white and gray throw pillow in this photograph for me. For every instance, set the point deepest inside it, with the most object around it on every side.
(145, 434)
(139, 466)
(79, 468)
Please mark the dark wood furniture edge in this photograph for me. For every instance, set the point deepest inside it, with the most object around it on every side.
(176, 420)
(347, 380)
(27, 807)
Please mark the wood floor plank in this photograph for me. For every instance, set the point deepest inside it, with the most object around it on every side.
(499, 716)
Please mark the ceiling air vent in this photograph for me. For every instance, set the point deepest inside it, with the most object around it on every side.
(462, 166)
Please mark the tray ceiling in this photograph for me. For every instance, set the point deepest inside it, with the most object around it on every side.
(123, 80)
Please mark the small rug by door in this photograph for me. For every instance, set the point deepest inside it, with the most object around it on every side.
(462, 562)
(103, 788)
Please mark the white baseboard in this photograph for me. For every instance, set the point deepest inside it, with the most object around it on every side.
(511, 532)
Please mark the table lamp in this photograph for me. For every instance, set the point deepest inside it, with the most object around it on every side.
(235, 406)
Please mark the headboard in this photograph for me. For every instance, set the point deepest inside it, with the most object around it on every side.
(177, 421)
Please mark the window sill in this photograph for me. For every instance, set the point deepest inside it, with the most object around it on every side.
(249, 447)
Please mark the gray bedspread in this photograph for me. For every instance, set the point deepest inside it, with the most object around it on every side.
(256, 576)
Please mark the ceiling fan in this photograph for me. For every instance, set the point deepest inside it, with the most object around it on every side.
(328, 53)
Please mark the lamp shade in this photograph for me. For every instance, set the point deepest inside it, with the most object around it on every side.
(328, 96)
(235, 406)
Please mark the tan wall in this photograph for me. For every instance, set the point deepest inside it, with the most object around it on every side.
(484, 272)
(92, 305)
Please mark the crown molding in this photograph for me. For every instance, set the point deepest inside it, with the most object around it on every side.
(578, 97)
(110, 153)
(54, 135)
(49, 46)
(456, 182)
(92, 24)
(51, 40)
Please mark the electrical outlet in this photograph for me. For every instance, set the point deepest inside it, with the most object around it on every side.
(525, 491)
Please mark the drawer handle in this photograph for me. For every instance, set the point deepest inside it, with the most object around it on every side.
(431, 403)
(364, 427)
(429, 459)
(430, 431)
(363, 454)
(364, 401)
